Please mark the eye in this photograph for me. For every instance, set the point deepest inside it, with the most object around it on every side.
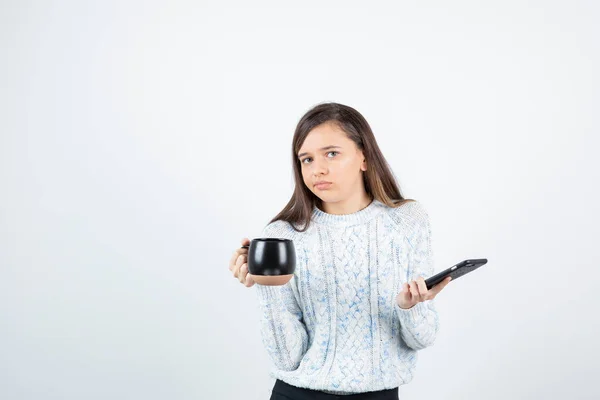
(308, 158)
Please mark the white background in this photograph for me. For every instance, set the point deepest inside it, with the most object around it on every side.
(140, 141)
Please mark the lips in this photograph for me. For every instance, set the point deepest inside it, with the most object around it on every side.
(322, 185)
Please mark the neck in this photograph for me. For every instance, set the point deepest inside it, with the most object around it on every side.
(347, 206)
(360, 216)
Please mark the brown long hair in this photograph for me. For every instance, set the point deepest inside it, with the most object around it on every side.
(380, 183)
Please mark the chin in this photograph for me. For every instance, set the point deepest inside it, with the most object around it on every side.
(327, 198)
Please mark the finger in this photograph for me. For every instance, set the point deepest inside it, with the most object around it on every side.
(422, 286)
(407, 294)
(414, 291)
(237, 252)
(404, 295)
(404, 291)
(249, 281)
(238, 263)
(243, 273)
(235, 256)
(438, 288)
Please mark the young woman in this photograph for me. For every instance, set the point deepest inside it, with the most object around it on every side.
(356, 311)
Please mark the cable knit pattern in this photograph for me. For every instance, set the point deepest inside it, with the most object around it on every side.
(336, 326)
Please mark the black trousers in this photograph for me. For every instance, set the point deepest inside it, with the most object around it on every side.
(285, 391)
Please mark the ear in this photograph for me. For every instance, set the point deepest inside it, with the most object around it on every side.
(363, 166)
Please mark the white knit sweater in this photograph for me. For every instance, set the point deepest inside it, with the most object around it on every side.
(336, 326)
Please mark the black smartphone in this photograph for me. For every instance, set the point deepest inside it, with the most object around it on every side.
(456, 271)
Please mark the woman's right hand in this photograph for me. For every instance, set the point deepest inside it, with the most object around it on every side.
(238, 264)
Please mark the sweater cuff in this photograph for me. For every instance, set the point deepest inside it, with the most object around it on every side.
(414, 314)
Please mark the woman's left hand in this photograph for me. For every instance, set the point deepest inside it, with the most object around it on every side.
(416, 292)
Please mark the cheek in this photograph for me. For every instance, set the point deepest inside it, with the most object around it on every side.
(306, 177)
(347, 169)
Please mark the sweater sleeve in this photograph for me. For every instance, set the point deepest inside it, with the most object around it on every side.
(420, 323)
(283, 332)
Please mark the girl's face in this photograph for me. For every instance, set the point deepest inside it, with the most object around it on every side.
(328, 155)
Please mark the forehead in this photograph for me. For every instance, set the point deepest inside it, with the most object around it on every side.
(324, 135)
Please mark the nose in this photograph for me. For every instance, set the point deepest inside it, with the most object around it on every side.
(319, 167)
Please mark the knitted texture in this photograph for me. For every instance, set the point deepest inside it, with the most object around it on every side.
(336, 326)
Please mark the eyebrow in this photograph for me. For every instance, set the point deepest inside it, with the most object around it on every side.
(322, 148)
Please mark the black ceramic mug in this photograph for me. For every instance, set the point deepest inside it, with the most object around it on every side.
(271, 261)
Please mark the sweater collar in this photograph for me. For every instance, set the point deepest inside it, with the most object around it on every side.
(358, 217)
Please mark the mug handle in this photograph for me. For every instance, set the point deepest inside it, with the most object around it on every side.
(245, 246)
